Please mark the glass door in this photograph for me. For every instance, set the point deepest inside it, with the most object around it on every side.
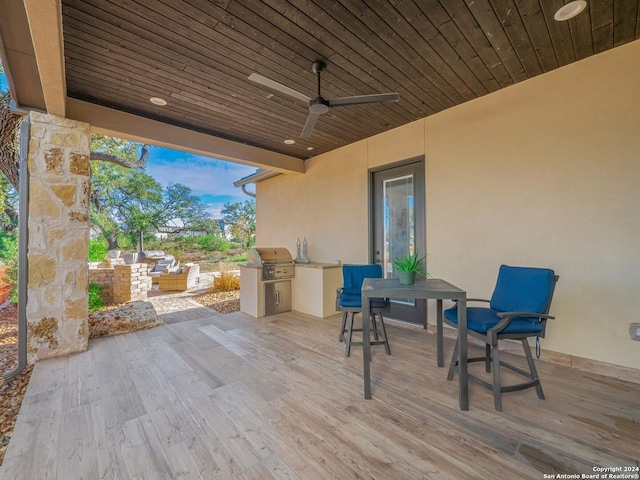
(398, 227)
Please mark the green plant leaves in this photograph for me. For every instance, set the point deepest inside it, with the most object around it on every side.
(411, 263)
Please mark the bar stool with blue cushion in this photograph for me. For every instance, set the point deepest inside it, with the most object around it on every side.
(518, 309)
(349, 301)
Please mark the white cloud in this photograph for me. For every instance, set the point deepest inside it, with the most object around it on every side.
(202, 174)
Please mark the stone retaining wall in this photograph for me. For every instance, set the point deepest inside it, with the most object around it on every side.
(103, 277)
(122, 283)
(130, 282)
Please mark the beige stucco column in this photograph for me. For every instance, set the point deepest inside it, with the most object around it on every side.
(58, 236)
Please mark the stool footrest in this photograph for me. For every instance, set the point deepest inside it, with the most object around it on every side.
(379, 333)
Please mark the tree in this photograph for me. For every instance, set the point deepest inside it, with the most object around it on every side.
(129, 202)
(9, 141)
(180, 204)
(115, 150)
(209, 226)
(8, 205)
(242, 218)
(119, 151)
(118, 197)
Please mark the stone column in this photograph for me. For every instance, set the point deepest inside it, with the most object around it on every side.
(58, 237)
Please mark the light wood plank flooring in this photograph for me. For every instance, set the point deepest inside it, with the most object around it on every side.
(233, 397)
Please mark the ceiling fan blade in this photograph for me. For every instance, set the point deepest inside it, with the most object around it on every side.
(308, 125)
(360, 99)
(254, 77)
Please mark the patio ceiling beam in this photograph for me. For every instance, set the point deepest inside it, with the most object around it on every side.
(107, 121)
(45, 25)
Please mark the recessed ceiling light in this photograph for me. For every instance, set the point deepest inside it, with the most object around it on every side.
(289, 141)
(570, 10)
(309, 148)
(158, 101)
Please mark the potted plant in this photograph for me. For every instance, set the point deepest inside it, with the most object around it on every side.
(407, 267)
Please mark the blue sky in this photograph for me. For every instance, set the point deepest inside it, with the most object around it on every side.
(209, 178)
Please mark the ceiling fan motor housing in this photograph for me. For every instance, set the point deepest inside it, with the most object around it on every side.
(319, 106)
(317, 66)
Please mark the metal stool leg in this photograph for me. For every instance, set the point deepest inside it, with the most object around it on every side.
(497, 385)
(348, 349)
(384, 333)
(487, 357)
(342, 327)
(532, 367)
(454, 362)
(374, 326)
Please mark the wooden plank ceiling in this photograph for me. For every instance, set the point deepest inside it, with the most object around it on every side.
(197, 54)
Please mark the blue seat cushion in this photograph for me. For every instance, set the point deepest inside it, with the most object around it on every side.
(355, 301)
(481, 319)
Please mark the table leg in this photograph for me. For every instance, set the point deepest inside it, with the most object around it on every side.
(439, 333)
(463, 380)
(366, 345)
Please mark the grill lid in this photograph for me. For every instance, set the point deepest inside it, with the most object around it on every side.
(268, 256)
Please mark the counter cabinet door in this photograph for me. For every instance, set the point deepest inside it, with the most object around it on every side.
(277, 297)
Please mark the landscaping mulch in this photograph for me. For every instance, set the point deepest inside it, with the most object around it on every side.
(12, 392)
(222, 302)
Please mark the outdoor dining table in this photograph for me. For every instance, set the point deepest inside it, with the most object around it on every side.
(431, 288)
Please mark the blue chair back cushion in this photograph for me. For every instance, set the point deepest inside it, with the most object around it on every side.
(353, 276)
(518, 289)
(522, 289)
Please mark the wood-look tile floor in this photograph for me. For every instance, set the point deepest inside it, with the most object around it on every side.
(233, 397)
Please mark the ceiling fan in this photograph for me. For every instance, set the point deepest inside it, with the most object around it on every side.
(321, 105)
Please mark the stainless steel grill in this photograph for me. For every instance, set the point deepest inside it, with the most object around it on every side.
(274, 284)
(276, 262)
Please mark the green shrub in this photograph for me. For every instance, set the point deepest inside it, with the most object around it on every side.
(213, 243)
(240, 258)
(95, 297)
(188, 242)
(97, 250)
(9, 257)
(127, 243)
(152, 243)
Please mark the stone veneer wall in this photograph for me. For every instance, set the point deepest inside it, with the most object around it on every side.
(58, 236)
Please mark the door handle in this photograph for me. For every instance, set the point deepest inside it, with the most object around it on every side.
(277, 297)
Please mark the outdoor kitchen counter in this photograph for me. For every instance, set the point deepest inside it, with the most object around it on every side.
(318, 265)
(314, 288)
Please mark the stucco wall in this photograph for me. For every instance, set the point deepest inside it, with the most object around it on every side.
(545, 173)
(327, 205)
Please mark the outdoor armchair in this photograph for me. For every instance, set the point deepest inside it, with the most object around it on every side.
(518, 309)
(163, 266)
(182, 279)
